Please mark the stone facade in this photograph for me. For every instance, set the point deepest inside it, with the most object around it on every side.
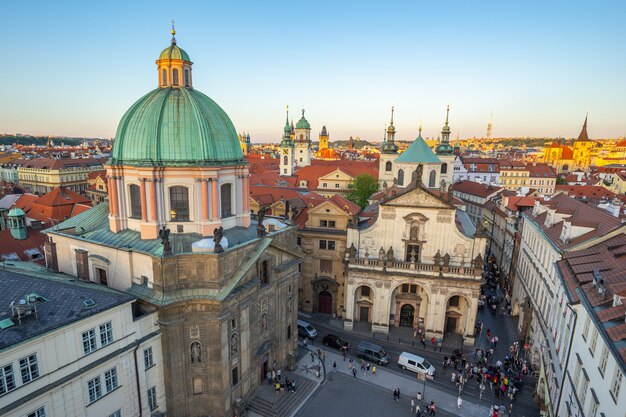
(414, 266)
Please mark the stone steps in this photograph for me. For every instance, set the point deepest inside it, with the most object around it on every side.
(282, 405)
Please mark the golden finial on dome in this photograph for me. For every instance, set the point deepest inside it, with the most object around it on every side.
(173, 33)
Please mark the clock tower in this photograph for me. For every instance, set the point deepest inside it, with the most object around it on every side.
(286, 150)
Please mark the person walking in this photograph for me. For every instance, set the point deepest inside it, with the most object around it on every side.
(374, 370)
(459, 401)
(334, 366)
(367, 369)
(418, 411)
(412, 406)
(432, 409)
(354, 373)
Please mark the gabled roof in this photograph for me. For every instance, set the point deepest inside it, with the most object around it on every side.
(476, 189)
(418, 152)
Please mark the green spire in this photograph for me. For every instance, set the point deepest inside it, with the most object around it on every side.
(287, 128)
(286, 141)
(444, 147)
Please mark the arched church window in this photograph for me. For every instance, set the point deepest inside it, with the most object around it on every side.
(175, 76)
(388, 166)
(186, 78)
(164, 76)
(301, 137)
(432, 178)
(444, 168)
(135, 201)
(226, 200)
(285, 160)
(179, 204)
(401, 177)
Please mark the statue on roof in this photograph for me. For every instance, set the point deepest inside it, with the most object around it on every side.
(260, 230)
(164, 234)
(218, 234)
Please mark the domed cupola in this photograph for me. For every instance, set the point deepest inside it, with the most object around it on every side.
(176, 159)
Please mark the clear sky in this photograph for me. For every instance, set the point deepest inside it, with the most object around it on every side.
(74, 67)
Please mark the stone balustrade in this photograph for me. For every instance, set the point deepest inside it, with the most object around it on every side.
(403, 267)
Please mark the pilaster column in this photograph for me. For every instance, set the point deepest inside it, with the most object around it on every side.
(246, 193)
(114, 207)
(204, 186)
(214, 200)
(153, 201)
(144, 207)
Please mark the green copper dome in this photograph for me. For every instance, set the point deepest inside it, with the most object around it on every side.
(175, 127)
(174, 52)
(303, 123)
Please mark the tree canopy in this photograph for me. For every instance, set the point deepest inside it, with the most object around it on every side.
(361, 188)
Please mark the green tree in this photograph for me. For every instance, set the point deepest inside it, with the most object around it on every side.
(560, 180)
(359, 190)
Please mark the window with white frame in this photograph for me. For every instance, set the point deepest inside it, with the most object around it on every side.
(594, 341)
(106, 334)
(593, 408)
(7, 379)
(40, 412)
(29, 368)
(94, 388)
(617, 382)
(148, 359)
(583, 390)
(89, 341)
(577, 373)
(110, 379)
(604, 359)
(152, 401)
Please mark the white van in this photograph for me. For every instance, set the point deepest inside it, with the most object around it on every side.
(306, 330)
(415, 363)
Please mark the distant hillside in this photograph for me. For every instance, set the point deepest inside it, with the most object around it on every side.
(42, 140)
(358, 143)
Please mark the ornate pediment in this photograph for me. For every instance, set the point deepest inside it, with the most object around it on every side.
(417, 197)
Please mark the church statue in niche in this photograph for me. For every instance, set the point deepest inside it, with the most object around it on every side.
(196, 352)
(415, 231)
(234, 344)
(264, 322)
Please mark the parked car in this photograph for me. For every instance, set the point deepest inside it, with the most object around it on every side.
(415, 363)
(306, 330)
(335, 342)
(372, 352)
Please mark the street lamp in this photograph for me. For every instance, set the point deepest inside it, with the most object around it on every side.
(173, 214)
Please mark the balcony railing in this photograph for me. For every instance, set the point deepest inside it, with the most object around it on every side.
(414, 266)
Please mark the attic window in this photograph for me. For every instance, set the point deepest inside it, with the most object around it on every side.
(89, 303)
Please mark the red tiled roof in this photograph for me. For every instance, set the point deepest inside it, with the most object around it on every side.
(541, 170)
(579, 213)
(607, 258)
(57, 205)
(35, 240)
(62, 163)
(476, 188)
(25, 202)
(587, 191)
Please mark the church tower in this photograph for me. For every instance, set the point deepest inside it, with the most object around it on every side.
(323, 138)
(302, 144)
(286, 150)
(388, 155)
(445, 152)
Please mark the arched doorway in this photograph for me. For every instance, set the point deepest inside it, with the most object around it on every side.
(364, 302)
(407, 315)
(325, 303)
(457, 308)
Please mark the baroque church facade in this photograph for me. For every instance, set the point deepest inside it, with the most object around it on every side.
(176, 233)
(417, 264)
